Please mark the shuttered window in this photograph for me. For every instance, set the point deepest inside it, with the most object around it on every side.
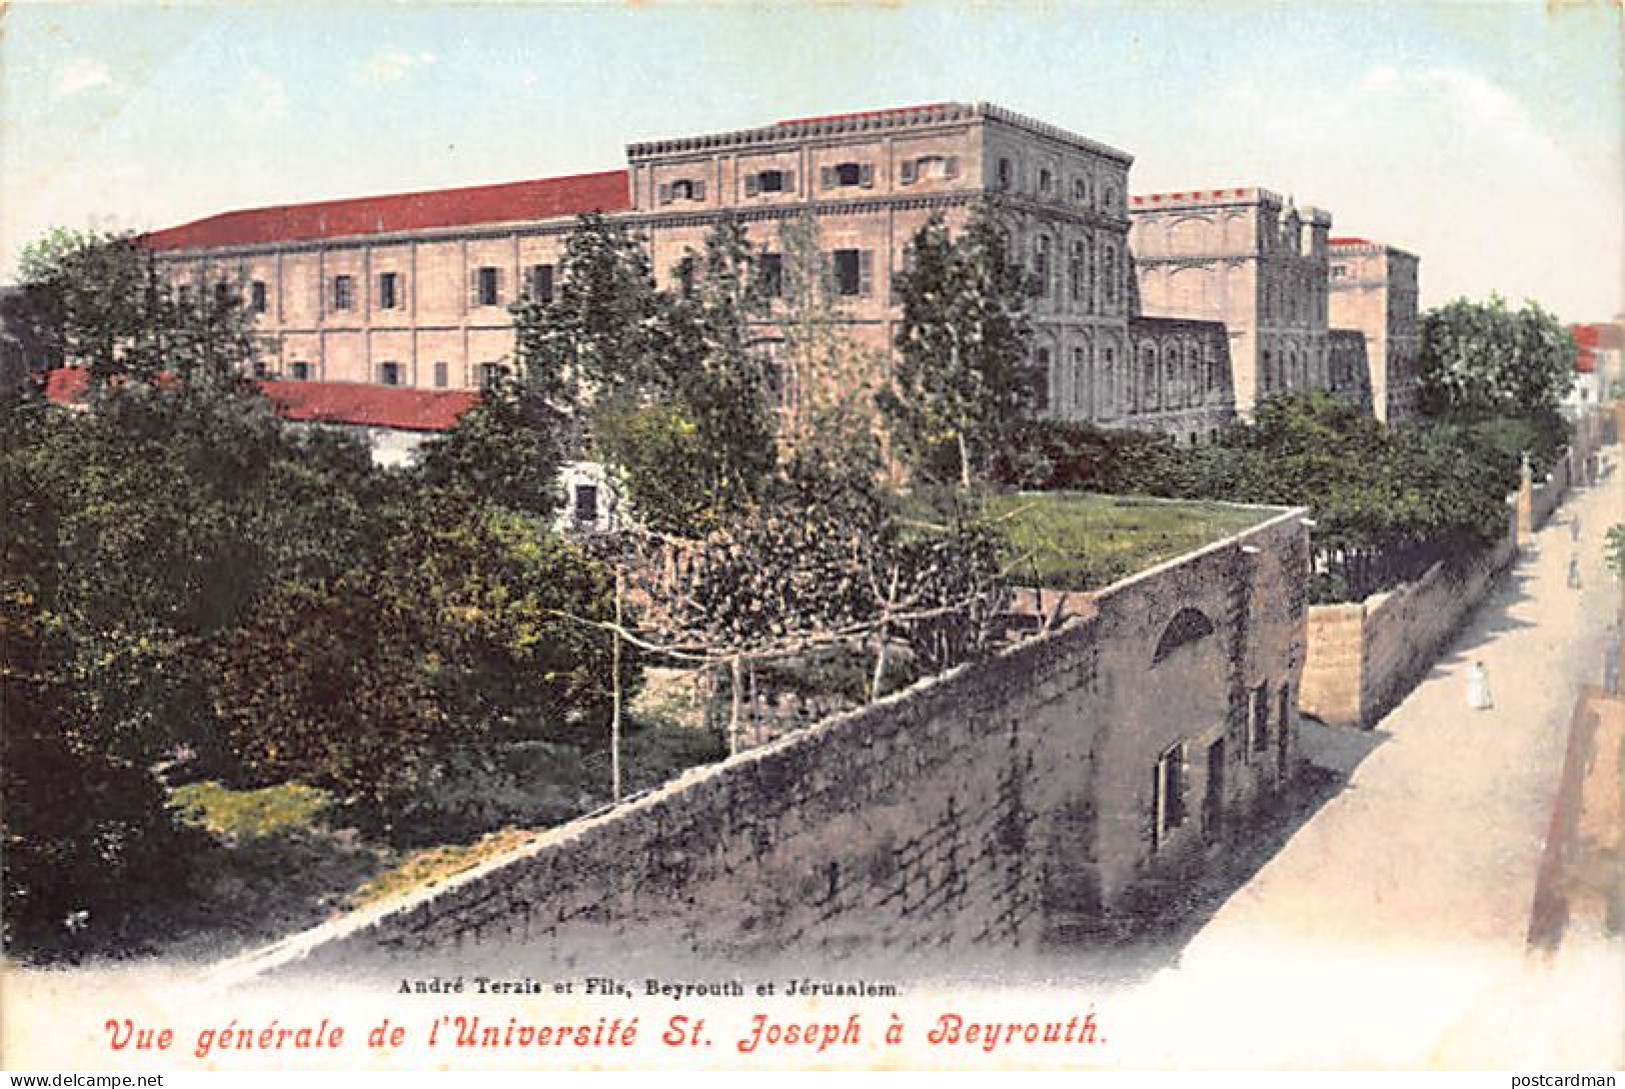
(389, 295)
(852, 272)
(486, 286)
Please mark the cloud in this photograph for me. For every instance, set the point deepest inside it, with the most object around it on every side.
(391, 64)
(79, 75)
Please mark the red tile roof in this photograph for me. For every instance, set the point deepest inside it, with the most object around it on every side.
(366, 405)
(546, 198)
(353, 403)
(1351, 241)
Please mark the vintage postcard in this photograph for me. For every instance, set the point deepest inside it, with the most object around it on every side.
(564, 536)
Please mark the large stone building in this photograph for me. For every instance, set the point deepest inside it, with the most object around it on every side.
(1374, 290)
(413, 289)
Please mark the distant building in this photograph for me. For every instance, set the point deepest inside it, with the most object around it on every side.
(394, 423)
(1290, 297)
(413, 289)
(1374, 289)
(1599, 365)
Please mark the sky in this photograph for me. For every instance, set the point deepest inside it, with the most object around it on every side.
(1487, 138)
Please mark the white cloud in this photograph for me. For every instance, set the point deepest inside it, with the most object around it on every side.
(392, 63)
(79, 75)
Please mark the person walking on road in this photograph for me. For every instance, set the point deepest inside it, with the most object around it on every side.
(1574, 528)
(1574, 572)
(1478, 688)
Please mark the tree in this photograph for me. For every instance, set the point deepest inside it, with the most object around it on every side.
(1479, 360)
(97, 300)
(506, 450)
(451, 632)
(675, 384)
(827, 383)
(962, 377)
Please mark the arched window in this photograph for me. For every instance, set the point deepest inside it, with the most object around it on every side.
(1187, 626)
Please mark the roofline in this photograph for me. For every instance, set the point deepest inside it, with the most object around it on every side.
(798, 130)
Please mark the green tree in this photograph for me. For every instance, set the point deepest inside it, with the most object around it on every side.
(962, 377)
(97, 300)
(827, 383)
(675, 384)
(1479, 360)
(506, 450)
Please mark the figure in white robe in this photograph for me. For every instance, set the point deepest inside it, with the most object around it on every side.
(1478, 688)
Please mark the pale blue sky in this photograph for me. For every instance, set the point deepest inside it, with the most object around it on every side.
(1485, 137)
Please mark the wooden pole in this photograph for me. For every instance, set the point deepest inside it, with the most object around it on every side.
(733, 708)
(615, 682)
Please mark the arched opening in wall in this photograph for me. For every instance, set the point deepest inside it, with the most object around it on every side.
(1185, 627)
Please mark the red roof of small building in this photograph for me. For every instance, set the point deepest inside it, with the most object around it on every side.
(352, 403)
(546, 198)
(364, 405)
(1350, 241)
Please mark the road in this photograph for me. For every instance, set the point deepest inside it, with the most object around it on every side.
(1390, 930)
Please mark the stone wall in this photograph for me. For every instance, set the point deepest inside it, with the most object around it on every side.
(1363, 657)
(1000, 807)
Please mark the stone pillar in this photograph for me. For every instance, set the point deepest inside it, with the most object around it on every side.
(1526, 503)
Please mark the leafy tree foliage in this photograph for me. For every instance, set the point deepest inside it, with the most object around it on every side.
(506, 450)
(827, 383)
(1479, 360)
(189, 582)
(676, 386)
(963, 377)
(1388, 503)
(96, 300)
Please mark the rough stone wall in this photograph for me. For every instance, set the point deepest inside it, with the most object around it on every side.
(1364, 657)
(1334, 676)
(996, 807)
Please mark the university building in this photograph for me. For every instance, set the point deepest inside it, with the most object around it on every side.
(1302, 310)
(413, 289)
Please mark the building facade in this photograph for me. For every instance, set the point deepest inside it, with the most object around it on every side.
(1374, 289)
(414, 289)
(1247, 258)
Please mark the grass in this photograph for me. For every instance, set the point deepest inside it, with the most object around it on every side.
(432, 865)
(240, 814)
(1083, 541)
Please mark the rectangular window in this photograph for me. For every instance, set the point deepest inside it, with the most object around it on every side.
(768, 181)
(259, 369)
(343, 292)
(1258, 724)
(256, 297)
(487, 286)
(770, 275)
(440, 375)
(1041, 381)
(1041, 265)
(490, 374)
(1168, 794)
(1074, 272)
(848, 175)
(851, 271)
(389, 374)
(389, 291)
(539, 283)
(1006, 175)
(300, 371)
(586, 504)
